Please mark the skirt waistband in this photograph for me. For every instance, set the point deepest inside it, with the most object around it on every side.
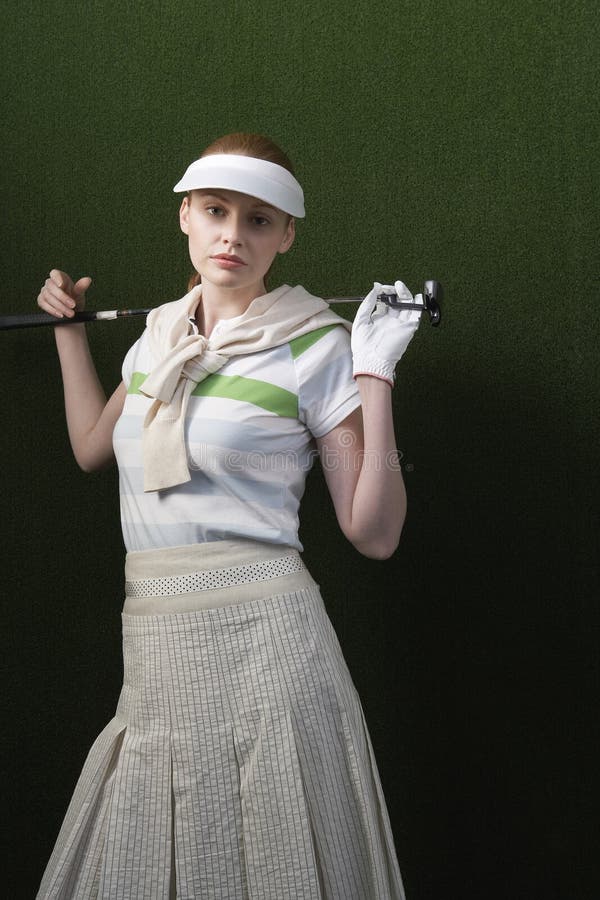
(216, 573)
(228, 576)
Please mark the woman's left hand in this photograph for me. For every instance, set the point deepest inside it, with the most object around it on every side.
(380, 334)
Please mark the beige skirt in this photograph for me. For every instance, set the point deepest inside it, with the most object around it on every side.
(238, 765)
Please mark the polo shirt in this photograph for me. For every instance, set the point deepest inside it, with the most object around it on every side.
(249, 435)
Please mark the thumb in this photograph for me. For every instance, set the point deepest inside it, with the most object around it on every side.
(81, 286)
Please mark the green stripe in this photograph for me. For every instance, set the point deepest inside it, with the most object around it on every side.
(300, 344)
(137, 379)
(297, 346)
(235, 387)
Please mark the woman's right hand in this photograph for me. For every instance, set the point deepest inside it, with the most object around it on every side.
(60, 296)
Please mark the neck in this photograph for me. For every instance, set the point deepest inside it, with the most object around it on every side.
(222, 303)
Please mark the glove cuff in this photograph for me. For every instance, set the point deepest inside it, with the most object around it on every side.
(370, 365)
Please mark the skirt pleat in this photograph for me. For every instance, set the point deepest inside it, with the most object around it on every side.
(238, 766)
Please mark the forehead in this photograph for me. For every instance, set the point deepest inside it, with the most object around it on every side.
(233, 198)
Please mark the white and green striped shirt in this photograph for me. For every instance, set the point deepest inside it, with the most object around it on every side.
(249, 438)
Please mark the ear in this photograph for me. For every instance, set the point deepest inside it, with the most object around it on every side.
(184, 214)
(288, 238)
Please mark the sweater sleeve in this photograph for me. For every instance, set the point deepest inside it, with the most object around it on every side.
(327, 391)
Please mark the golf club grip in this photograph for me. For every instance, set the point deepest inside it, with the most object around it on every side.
(33, 320)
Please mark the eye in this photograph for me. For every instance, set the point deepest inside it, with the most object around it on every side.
(260, 220)
(214, 210)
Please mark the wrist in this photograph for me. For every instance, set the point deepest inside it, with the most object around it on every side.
(377, 368)
(70, 333)
(368, 378)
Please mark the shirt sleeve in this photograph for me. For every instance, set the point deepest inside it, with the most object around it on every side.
(131, 361)
(327, 390)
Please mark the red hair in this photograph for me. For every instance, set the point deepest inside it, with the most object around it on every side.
(255, 145)
(245, 144)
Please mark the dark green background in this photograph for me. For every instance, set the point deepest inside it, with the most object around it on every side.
(454, 140)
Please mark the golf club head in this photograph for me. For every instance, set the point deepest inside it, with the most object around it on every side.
(432, 297)
(433, 294)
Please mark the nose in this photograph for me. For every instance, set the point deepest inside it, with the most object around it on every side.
(232, 230)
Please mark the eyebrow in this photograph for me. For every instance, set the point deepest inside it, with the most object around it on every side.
(258, 205)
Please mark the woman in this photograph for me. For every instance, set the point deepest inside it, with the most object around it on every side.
(238, 763)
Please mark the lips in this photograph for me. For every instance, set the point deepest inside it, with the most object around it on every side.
(228, 258)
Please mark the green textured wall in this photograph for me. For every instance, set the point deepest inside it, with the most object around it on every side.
(451, 140)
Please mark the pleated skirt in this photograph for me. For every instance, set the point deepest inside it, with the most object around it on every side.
(238, 765)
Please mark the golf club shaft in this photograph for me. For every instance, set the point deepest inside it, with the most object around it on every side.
(35, 320)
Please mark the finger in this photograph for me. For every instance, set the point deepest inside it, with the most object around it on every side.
(408, 316)
(51, 304)
(61, 280)
(381, 309)
(402, 291)
(414, 315)
(363, 313)
(51, 290)
(81, 286)
(68, 297)
(54, 299)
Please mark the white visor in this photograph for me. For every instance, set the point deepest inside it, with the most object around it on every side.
(256, 177)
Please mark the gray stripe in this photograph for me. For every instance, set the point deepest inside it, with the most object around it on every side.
(265, 493)
(145, 536)
(242, 437)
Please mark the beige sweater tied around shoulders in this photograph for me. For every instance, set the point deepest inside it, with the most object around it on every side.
(186, 357)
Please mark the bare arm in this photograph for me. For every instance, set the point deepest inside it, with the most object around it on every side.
(362, 470)
(90, 417)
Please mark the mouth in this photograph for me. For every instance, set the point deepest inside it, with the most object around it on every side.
(228, 261)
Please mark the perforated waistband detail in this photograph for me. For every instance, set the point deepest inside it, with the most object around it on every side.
(214, 578)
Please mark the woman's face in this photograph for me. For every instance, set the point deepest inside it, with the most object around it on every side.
(233, 238)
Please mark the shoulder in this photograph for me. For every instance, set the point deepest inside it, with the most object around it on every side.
(321, 338)
(327, 390)
(137, 358)
(320, 347)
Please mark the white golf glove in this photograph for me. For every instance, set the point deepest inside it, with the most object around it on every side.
(380, 334)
